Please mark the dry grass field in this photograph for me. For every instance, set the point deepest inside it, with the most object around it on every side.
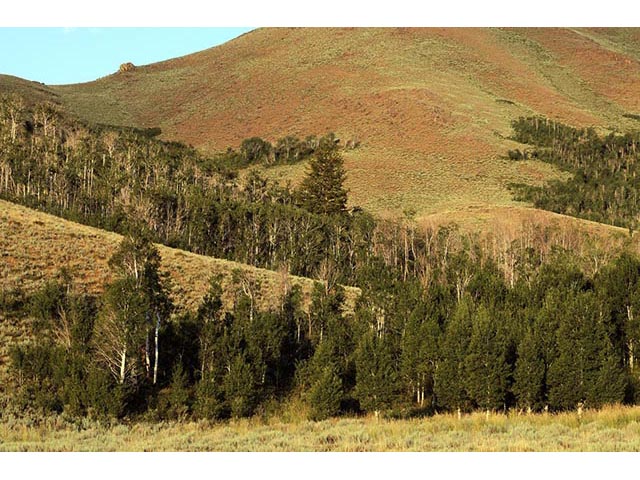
(611, 429)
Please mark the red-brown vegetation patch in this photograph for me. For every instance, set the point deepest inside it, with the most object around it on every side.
(611, 74)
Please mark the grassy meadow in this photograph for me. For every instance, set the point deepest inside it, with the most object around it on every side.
(610, 429)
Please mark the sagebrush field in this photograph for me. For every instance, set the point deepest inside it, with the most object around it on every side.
(611, 429)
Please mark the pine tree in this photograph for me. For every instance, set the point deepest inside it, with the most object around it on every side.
(325, 394)
(610, 384)
(586, 369)
(240, 387)
(486, 369)
(209, 399)
(420, 355)
(449, 388)
(376, 376)
(322, 190)
(619, 287)
(179, 393)
(530, 373)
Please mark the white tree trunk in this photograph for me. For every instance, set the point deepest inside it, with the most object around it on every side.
(123, 365)
(630, 343)
(157, 349)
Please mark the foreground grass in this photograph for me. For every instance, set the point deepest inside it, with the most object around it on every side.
(612, 429)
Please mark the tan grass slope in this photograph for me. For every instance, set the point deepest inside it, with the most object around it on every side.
(34, 247)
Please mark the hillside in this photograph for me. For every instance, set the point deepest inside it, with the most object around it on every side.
(517, 310)
(431, 107)
(35, 246)
(31, 91)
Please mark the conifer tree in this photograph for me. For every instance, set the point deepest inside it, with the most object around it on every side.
(530, 373)
(179, 393)
(586, 369)
(610, 384)
(209, 399)
(326, 393)
(322, 190)
(240, 387)
(213, 335)
(376, 375)
(450, 388)
(486, 368)
(619, 286)
(419, 356)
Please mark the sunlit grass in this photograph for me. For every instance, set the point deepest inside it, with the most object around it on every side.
(611, 429)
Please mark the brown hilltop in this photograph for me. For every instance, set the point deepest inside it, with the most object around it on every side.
(431, 107)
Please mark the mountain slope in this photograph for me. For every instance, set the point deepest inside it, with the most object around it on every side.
(35, 246)
(431, 107)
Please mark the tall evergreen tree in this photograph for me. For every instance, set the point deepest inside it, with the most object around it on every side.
(322, 190)
(326, 393)
(486, 368)
(419, 357)
(530, 373)
(450, 388)
(585, 370)
(376, 375)
(214, 353)
(619, 287)
(178, 399)
(241, 387)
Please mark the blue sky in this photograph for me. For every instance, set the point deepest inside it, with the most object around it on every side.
(71, 55)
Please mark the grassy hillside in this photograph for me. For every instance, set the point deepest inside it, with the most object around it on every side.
(31, 91)
(35, 246)
(431, 111)
(431, 107)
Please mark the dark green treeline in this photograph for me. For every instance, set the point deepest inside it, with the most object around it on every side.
(556, 338)
(605, 171)
(444, 322)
